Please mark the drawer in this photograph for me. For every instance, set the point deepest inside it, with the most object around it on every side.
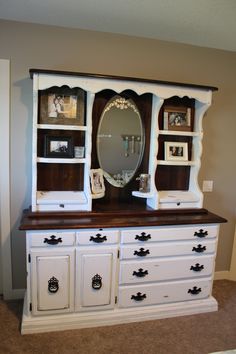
(163, 233)
(51, 238)
(154, 294)
(163, 249)
(165, 269)
(97, 237)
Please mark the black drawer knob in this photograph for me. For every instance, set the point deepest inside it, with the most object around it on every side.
(138, 297)
(141, 252)
(199, 249)
(197, 267)
(53, 240)
(143, 237)
(140, 273)
(98, 239)
(195, 290)
(201, 233)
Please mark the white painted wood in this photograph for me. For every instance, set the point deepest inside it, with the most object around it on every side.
(63, 200)
(87, 237)
(158, 293)
(39, 238)
(41, 324)
(5, 232)
(163, 249)
(90, 262)
(47, 264)
(61, 197)
(168, 233)
(165, 269)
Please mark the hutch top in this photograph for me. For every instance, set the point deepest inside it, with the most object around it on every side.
(105, 141)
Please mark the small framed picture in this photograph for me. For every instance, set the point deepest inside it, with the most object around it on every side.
(175, 151)
(177, 118)
(97, 181)
(58, 146)
(62, 106)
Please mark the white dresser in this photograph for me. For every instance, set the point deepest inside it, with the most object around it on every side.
(87, 277)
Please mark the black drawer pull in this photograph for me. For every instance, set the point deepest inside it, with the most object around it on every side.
(194, 290)
(201, 233)
(97, 282)
(98, 239)
(53, 285)
(143, 237)
(53, 240)
(199, 249)
(197, 267)
(138, 297)
(141, 273)
(141, 252)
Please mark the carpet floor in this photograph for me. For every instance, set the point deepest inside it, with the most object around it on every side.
(194, 334)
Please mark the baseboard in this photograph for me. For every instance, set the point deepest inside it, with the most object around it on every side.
(224, 274)
(14, 294)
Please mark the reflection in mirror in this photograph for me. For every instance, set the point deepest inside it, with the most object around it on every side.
(120, 140)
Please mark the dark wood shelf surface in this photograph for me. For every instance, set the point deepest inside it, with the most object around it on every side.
(114, 218)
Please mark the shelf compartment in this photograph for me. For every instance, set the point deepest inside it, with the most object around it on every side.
(60, 177)
(172, 177)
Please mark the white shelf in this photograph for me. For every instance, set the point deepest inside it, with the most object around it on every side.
(62, 160)
(61, 197)
(180, 133)
(62, 127)
(142, 194)
(176, 163)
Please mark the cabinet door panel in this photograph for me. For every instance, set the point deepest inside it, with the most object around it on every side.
(52, 283)
(96, 276)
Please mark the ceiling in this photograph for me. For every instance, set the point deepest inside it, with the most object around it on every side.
(207, 23)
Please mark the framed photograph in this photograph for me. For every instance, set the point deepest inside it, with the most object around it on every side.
(175, 151)
(58, 146)
(177, 118)
(62, 106)
(97, 181)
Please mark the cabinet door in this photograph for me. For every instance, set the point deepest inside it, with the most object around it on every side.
(52, 280)
(96, 275)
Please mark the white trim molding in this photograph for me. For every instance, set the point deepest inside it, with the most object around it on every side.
(8, 292)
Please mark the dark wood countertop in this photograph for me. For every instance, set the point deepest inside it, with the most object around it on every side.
(116, 218)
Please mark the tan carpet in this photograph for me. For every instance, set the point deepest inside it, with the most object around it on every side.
(198, 334)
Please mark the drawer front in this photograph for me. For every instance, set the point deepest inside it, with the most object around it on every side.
(51, 238)
(153, 294)
(97, 237)
(163, 249)
(165, 269)
(171, 233)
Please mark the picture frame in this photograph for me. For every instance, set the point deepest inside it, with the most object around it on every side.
(58, 146)
(97, 182)
(177, 118)
(62, 106)
(175, 151)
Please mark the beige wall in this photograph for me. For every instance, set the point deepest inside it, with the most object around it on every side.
(35, 46)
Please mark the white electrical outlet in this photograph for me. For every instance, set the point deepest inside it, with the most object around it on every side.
(207, 186)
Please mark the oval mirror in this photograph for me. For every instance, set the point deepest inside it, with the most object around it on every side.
(120, 141)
